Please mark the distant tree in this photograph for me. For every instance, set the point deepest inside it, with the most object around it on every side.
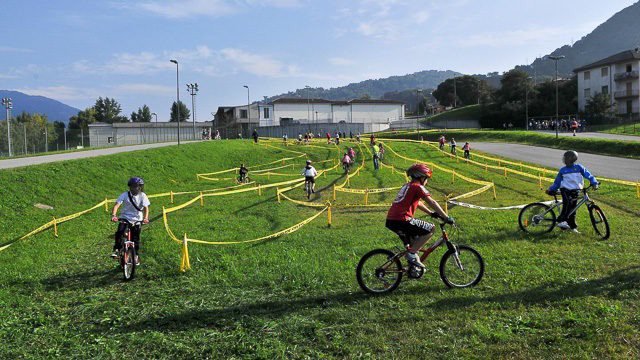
(142, 115)
(185, 114)
(365, 96)
(467, 89)
(83, 119)
(36, 126)
(108, 111)
(599, 107)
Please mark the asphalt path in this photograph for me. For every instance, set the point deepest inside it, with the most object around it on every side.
(598, 165)
(34, 160)
(595, 135)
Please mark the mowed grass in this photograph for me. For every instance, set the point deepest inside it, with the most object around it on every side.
(562, 295)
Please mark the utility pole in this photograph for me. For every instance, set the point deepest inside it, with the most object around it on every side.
(556, 58)
(193, 90)
(8, 105)
(177, 96)
(248, 107)
(455, 93)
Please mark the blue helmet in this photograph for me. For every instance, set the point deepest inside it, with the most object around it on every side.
(136, 181)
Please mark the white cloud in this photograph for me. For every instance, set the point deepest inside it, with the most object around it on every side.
(523, 36)
(145, 89)
(338, 61)
(420, 17)
(210, 8)
(60, 93)
(14, 49)
(258, 64)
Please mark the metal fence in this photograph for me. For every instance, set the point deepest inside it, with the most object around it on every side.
(30, 139)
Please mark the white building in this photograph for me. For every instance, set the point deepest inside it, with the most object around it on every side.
(306, 111)
(616, 76)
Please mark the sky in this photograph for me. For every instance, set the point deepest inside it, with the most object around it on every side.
(75, 51)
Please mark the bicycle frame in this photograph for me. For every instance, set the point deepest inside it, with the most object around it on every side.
(585, 199)
(444, 239)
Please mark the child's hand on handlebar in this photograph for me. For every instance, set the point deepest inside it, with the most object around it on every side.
(450, 220)
(145, 221)
(114, 218)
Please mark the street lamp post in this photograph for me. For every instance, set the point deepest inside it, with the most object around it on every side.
(156, 115)
(526, 104)
(248, 107)
(8, 105)
(308, 107)
(455, 93)
(418, 91)
(555, 59)
(177, 96)
(193, 90)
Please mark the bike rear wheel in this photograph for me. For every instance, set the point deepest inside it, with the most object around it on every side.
(128, 262)
(599, 222)
(464, 271)
(378, 272)
(536, 218)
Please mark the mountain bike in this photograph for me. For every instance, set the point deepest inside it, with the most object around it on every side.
(539, 218)
(380, 271)
(308, 188)
(127, 253)
(346, 167)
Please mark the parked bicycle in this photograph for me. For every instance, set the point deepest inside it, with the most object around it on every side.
(539, 218)
(127, 253)
(380, 271)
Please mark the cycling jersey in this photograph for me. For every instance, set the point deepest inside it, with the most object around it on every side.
(309, 171)
(570, 178)
(406, 201)
(346, 159)
(129, 210)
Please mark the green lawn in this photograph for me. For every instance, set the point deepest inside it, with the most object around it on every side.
(462, 113)
(625, 129)
(559, 296)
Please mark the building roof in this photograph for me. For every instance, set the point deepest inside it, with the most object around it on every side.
(334, 102)
(614, 59)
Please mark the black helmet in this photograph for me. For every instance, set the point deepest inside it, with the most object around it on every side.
(570, 157)
(136, 181)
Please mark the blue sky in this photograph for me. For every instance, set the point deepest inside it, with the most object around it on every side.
(74, 51)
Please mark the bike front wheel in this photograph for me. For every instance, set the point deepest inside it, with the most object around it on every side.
(536, 218)
(379, 272)
(128, 262)
(599, 222)
(463, 268)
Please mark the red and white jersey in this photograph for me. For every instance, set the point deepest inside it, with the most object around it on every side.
(407, 201)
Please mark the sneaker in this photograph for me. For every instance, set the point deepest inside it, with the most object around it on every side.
(414, 259)
(575, 231)
(114, 254)
(137, 260)
(563, 225)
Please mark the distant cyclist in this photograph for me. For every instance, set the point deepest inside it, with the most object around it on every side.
(242, 173)
(467, 148)
(570, 180)
(453, 146)
(135, 207)
(352, 154)
(442, 141)
(400, 218)
(346, 162)
(310, 174)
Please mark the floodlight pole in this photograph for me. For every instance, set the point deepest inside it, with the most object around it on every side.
(555, 59)
(177, 96)
(8, 105)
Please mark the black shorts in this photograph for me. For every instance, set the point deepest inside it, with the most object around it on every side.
(410, 228)
(310, 179)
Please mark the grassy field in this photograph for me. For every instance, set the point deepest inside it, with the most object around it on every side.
(621, 148)
(624, 129)
(563, 295)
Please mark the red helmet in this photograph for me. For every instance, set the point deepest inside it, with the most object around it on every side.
(417, 171)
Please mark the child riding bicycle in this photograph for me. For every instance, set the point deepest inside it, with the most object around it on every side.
(570, 181)
(346, 162)
(400, 218)
(134, 203)
(242, 174)
(310, 174)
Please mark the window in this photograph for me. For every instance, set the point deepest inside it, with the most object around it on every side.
(243, 114)
(629, 67)
(587, 75)
(266, 113)
(604, 72)
(587, 93)
(605, 90)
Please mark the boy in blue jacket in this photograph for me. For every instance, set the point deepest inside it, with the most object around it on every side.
(570, 182)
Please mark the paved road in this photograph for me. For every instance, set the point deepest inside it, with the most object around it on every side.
(26, 161)
(605, 166)
(596, 135)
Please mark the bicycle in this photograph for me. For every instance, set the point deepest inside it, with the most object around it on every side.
(242, 179)
(127, 253)
(346, 167)
(539, 218)
(380, 271)
(308, 188)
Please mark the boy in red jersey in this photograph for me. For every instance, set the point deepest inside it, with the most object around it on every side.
(400, 219)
